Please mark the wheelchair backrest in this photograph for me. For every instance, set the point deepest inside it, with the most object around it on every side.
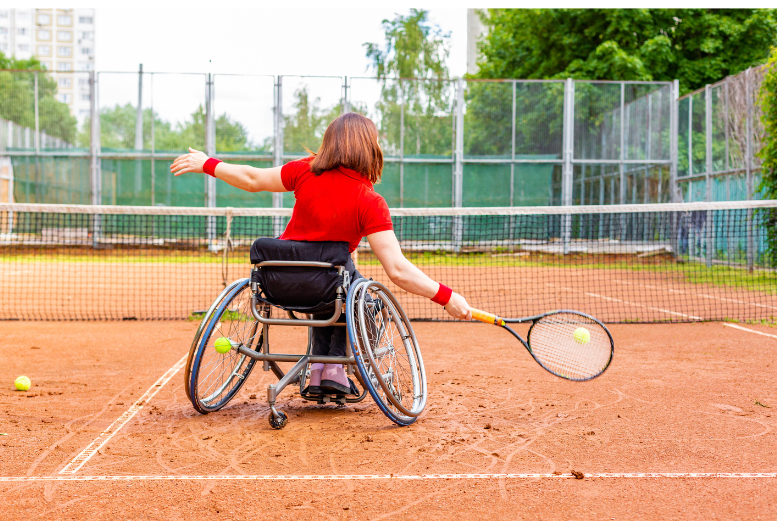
(304, 289)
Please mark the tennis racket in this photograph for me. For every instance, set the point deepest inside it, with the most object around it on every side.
(565, 343)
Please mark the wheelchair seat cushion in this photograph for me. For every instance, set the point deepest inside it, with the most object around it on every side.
(301, 289)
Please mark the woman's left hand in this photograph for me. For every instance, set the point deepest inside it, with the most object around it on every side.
(191, 162)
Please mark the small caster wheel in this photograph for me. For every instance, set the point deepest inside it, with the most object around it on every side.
(279, 421)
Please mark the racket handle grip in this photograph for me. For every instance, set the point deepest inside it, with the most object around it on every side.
(488, 318)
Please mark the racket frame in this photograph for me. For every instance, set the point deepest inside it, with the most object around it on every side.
(502, 322)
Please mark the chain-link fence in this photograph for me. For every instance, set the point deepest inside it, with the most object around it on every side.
(719, 136)
(446, 143)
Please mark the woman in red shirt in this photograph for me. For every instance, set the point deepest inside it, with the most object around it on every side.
(335, 201)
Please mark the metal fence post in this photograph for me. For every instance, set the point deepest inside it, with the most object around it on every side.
(210, 150)
(749, 167)
(401, 145)
(709, 218)
(346, 103)
(512, 151)
(37, 118)
(568, 147)
(94, 153)
(153, 143)
(674, 131)
(458, 165)
(139, 134)
(277, 198)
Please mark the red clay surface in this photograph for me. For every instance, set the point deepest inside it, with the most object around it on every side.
(677, 398)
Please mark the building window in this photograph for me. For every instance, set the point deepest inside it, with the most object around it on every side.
(64, 19)
(22, 15)
(21, 31)
(3, 14)
(64, 36)
(65, 98)
(86, 50)
(3, 31)
(87, 35)
(84, 112)
(86, 97)
(44, 19)
(85, 20)
(23, 47)
(44, 34)
(46, 65)
(64, 51)
(64, 83)
(44, 50)
(84, 66)
(4, 47)
(64, 66)
(83, 82)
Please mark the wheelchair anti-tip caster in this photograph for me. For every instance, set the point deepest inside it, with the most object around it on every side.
(278, 419)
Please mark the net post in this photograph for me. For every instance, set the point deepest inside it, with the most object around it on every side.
(94, 153)
(709, 224)
(210, 150)
(346, 103)
(277, 198)
(458, 166)
(749, 167)
(566, 174)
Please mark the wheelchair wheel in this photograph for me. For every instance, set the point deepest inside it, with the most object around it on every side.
(386, 350)
(214, 378)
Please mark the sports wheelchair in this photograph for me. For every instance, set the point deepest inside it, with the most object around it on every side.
(297, 280)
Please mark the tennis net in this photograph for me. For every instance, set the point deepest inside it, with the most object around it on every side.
(625, 263)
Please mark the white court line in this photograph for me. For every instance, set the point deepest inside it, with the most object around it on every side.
(398, 477)
(747, 329)
(78, 462)
(629, 303)
(670, 290)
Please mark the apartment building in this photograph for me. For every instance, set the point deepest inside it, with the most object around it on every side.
(62, 39)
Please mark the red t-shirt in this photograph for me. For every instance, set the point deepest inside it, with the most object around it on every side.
(338, 205)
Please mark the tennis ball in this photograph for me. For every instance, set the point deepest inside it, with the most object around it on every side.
(223, 345)
(22, 383)
(582, 335)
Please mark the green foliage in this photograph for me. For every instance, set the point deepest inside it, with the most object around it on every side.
(17, 99)
(768, 153)
(117, 131)
(696, 46)
(305, 127)
(414, 49)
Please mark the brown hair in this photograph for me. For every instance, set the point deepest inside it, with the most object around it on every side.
(350, 141)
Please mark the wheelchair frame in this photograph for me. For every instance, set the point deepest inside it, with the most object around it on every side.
(369, 363)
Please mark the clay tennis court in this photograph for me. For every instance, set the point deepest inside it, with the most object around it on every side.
(500, 437)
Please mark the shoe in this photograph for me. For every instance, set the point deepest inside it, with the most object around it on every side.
(314, 385)
(333, 380)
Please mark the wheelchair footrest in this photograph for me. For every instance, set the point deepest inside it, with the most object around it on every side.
(322, 399)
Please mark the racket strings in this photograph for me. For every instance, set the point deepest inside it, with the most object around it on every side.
(556, 346)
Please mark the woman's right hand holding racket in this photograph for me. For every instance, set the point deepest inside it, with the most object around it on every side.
(457, 307)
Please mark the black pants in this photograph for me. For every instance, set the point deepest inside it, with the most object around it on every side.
(330, 340)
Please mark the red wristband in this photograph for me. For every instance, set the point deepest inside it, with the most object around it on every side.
(210, 166)
(443, 295)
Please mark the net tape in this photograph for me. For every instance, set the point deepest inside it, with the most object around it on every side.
(621, 263)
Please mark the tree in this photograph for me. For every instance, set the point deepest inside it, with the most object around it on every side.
(117, 131)
(696, 46)
(17, 99)
(412, 70)
(768, 152)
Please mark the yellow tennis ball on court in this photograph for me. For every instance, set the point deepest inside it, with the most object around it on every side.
(22, 383)
(582, 335)
(223, 345)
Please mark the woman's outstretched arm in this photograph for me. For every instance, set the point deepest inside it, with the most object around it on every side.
(248, 178)
(407, 276)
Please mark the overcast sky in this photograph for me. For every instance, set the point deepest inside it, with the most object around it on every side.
(301, 40)
(307, 41)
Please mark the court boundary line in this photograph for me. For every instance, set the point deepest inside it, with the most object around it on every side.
(735, 326)
(99, 442)
(392, 477)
